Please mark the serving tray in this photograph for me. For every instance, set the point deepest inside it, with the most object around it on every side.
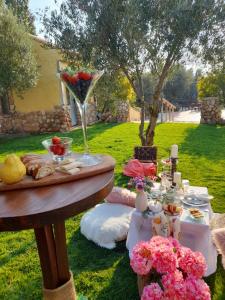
(107, 164)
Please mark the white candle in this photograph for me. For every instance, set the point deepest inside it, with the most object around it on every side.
(177, 178)
(174, 151)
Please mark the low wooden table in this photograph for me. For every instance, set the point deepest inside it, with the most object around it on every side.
(45, 209)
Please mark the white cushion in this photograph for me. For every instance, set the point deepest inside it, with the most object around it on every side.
(106, 223)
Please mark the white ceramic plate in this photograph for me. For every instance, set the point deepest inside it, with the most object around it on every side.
(197, 200)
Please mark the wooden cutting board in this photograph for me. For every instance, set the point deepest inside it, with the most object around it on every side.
(107, 164)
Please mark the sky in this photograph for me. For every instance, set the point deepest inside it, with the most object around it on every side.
(37, 5)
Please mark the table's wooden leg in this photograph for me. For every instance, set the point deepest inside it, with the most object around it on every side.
(47, 254)
(58, 280)
(61, 252)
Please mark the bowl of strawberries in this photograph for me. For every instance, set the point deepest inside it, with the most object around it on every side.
(58, 147)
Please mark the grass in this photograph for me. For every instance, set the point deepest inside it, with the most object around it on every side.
(99, 273)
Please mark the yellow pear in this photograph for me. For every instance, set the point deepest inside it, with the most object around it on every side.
(13, 170)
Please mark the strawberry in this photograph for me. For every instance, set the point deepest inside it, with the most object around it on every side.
(63, 149)
(65, 76)
(57, 149)
(52, 148)
(74, 79)
(56, 140)
(84, 76)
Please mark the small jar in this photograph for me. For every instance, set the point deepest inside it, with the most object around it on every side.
(172, 202)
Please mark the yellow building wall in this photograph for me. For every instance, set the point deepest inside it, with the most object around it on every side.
(46, 94)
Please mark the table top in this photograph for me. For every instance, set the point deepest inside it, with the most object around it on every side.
(36, 207)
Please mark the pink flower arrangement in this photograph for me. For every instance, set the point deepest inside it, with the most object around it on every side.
(196, 289)
(141, 258)
(152, 292)
(174, 286)
(192, 262)
(180, 270)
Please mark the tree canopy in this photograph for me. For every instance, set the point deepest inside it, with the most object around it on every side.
(212, 85)
(181, 86)
(113, 87)
(18, 70)
(134, 36)
(21, 10)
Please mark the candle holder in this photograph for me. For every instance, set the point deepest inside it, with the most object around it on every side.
(173, 167)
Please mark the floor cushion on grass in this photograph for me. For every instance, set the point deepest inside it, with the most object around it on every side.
(106, 224)
(122, 196)
(218, 234)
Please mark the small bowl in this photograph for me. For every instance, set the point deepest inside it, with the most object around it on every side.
(58, 151)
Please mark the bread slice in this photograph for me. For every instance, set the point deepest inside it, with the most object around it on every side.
(43, 171)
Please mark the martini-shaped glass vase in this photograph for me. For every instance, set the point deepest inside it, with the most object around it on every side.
(81, 85)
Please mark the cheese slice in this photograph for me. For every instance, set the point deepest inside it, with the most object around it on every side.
(70, 166)
(70, 172)
(67, 161)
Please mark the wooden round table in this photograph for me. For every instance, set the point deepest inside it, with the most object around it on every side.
(45, 209)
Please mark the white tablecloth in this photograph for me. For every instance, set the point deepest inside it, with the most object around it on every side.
(193, 235)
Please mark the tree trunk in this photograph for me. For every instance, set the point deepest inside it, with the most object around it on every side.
(5, 103)
(140, 96)
(142, 101)
(155, 107)
(142, 124)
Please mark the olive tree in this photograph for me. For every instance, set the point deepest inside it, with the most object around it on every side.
(18, 67)
(134, 36)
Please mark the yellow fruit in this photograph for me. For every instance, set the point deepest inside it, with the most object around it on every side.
(13, 170)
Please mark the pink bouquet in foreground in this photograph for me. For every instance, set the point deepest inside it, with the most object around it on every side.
(180, 270)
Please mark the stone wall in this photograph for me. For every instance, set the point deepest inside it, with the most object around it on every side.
(123, 113)
(91, 114)
(211, 111)
(35, 122)
(134, 114)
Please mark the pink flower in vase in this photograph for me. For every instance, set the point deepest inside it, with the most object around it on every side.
(192, 262)
(152, 292)
(139, 186)
(196, 289)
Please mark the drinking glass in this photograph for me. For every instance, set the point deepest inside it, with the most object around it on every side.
(82, 92)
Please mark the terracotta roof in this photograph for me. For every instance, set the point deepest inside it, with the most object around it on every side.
(38, 39)
(167, 103)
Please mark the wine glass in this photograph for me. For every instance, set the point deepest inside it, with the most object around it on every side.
(81, 84)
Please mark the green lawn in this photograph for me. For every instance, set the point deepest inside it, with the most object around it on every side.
(100, 273)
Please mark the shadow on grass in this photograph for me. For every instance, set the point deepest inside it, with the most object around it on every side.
(87, 259)
(86, 256)
(205, 141)
(211, 280)
(31, 143)
(15, 252)
(122, 285)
